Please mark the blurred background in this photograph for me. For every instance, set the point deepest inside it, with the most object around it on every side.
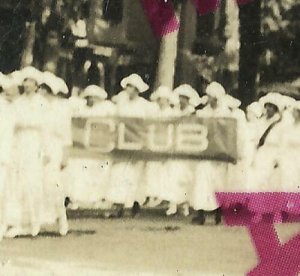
(251, 49)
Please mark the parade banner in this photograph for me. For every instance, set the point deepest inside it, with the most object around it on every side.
(185, 138)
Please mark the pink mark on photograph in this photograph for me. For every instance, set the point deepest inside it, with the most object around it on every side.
(162, 17)
(258, 212)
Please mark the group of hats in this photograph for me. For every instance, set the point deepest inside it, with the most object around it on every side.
(16, 78)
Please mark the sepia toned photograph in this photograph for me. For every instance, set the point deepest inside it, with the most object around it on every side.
(149, 137)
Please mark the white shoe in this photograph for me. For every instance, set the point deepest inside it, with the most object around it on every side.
(35, 230)
(63, 228)
(172, 209)
(186, 210)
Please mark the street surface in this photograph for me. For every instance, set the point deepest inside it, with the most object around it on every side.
(148, 245)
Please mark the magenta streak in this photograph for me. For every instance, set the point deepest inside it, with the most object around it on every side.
(161, 16)
(265, 239)
(283, 260)
(274, 258)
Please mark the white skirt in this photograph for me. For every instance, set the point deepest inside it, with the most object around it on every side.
(126, 184)
(25, 191)
(178, 181)
(88, 179)
(211, 177)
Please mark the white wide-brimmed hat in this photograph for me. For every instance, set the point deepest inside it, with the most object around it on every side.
(287, 101)
(215, 90)
(296, 105)
(273, 98)
(17, 77)
(63, 88)
(136, 81)
(164, 92)
(5, 81)
(30, 72)
(231, 102)
(188, 91)
(52, 81)
(94, 91)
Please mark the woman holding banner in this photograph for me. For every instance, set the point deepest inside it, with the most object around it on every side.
(181, 171)
(211, 176)
(89, 177)
(126, 188)
(157, 172)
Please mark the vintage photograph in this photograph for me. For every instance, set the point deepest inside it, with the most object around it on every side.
(149, 137)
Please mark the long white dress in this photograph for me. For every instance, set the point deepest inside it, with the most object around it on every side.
(180, 176)
(26, 185)
(265, 169)
(157, 173)
(210, 176)
(7, 123)
(56, 137)
(88, 178)
(126, 178)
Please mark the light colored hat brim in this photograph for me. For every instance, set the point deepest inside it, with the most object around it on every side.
(31, 73)
(136, 81)
(272, 98)
(186, 90)
(51, 81)
(94, 91)
(215, 90)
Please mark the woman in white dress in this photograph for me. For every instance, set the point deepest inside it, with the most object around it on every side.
(127, 188)
(266, 165)
(157, 172)
(56, 137)
(89, 177)
(7, 124)
(180, 172)
(210, 176)
(26, 188)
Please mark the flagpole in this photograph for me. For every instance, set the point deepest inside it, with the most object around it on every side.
(167, 57)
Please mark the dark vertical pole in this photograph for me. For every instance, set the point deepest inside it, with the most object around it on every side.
(250, 39)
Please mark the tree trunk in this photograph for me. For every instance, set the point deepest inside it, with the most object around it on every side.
(250, 49)
(167, 57)
(27, 56)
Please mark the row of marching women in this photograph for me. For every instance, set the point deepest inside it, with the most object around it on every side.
(266, 135)
(36, 129)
